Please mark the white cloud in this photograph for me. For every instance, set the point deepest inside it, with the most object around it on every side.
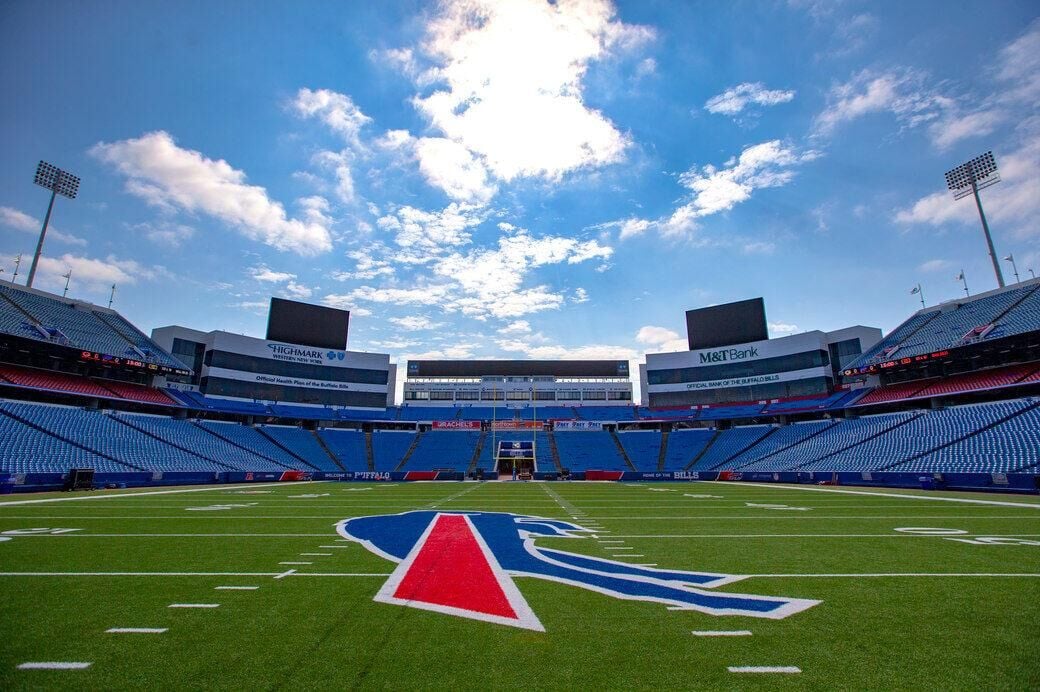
(165, 233)
(557, 352)
(783, 329)
(758, 248)
(414, 323)
(508, 76)
(264, 273)
(427, 234)
(935, 265)
(339, 164)
(900, 93)
(19, 220)
(168, 176)
(733, 100)
(661, 339)
(336, 110)
(93, 273)
(713, 190)
(450, 166)
(580, 296)
(952, 129)
(298, 291)
(517, 327)
(367, 267)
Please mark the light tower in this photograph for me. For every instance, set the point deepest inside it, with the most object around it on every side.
(967, 179)
(59, 182)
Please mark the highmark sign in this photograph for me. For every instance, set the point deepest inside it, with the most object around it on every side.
(302, 354)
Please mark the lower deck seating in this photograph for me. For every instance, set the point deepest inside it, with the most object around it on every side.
(303, 443)
(684, 446)
(348, 446)
(581, 451)
(729, 443)
(389, 448)
(642, 447)
(448, 449)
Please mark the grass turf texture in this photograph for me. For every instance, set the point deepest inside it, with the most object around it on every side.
(881, 632)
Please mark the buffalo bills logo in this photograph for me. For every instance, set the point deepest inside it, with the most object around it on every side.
(463, 564)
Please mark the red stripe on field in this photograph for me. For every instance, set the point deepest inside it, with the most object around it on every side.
(451, 570)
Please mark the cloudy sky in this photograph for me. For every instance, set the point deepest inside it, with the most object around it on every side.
(518, 178)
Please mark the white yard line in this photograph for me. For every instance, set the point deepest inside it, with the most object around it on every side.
(53, 665)
(149, 492)
(193, 605)
(818, 489)
(895, 574)
(764, 669)
(235, 588)
(721, 633)
(821, 535)
(136, 630)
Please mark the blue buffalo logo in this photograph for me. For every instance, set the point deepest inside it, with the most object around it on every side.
(463, 564)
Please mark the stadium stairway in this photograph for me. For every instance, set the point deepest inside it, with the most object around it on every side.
(554, 452)
(663, 453)
(621, 450)
(270, 438)
(472, 468)
(704, 450)
(332, 455)
(370, 456)
(410, 451)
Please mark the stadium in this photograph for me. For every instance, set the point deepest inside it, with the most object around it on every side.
(268, 488)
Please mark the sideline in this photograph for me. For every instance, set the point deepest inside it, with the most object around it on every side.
(866, 492)
(154, 492)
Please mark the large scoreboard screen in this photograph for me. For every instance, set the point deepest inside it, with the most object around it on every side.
(293, 322)
(725, 325)
(896, 363)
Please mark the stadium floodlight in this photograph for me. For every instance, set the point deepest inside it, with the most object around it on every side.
(59, 182)
(1014, 267)
(1032, 273)
(68, 278)
(967, 179)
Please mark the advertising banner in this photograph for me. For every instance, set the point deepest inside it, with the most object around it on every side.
(456, 425)
(516, 425)
(576, 425)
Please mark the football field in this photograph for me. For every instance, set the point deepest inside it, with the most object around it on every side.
(253, 587)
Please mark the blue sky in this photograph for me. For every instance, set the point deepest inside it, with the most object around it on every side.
(518, 179)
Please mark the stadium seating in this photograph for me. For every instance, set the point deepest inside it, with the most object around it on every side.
(26, 449)
(729, 443)
(781, 439)
(606, 413)
(426, 413)
(894, 392)
(724, 412)
(250, 438)
(682, 413)
(348, 446)
(547, 413)
(137, 392)
(581, 451)
(643, 447)
(813, 452)
(449, 449)
(45, 379)
(303, 443)
(684, 446)
(1012, 445)
(1011, 311)
(77, 324)
(483, 413)
(108, 437)
(197, 440)
(389, 448)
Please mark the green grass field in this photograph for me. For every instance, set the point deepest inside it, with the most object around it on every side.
(899, 610)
